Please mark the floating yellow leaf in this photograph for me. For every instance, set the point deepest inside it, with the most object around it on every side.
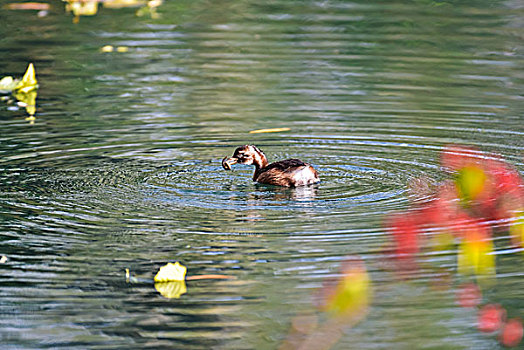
(24, 85)
(82, 8)
(107, 48)
(261, 131)
(3, 259)
(27, 100)
(8, 84)
(28, 81)
(110, 48)
(173, 289)
(24, 90)
(154, 3)
(171, 272)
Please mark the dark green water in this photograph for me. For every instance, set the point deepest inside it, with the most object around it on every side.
(121, 168)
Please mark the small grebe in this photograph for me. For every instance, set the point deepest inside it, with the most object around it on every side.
(289, 172)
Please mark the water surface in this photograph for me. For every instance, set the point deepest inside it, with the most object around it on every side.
(121, 168)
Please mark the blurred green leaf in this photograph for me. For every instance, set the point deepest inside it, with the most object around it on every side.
(470, 182)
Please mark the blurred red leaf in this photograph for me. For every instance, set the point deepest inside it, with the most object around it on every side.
(505, 178)
(491, 318)
(403, 227)
(469, 295)
(511, 334)
(454, 157)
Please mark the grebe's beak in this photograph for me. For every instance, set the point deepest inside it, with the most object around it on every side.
(227, 162)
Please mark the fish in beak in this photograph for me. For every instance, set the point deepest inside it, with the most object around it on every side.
(228, 161)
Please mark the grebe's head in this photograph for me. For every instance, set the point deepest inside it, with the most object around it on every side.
(247, 154)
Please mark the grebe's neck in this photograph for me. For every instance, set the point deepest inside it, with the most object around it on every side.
(260, 162)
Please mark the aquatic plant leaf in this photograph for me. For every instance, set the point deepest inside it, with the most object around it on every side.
(110, 48)
(8, 84)
(107, 48)
(171, 272)
(82, 8)
(28, 82)
(261, 131)
(170, 290)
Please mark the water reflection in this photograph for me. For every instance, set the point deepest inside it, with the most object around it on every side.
(303, 194)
